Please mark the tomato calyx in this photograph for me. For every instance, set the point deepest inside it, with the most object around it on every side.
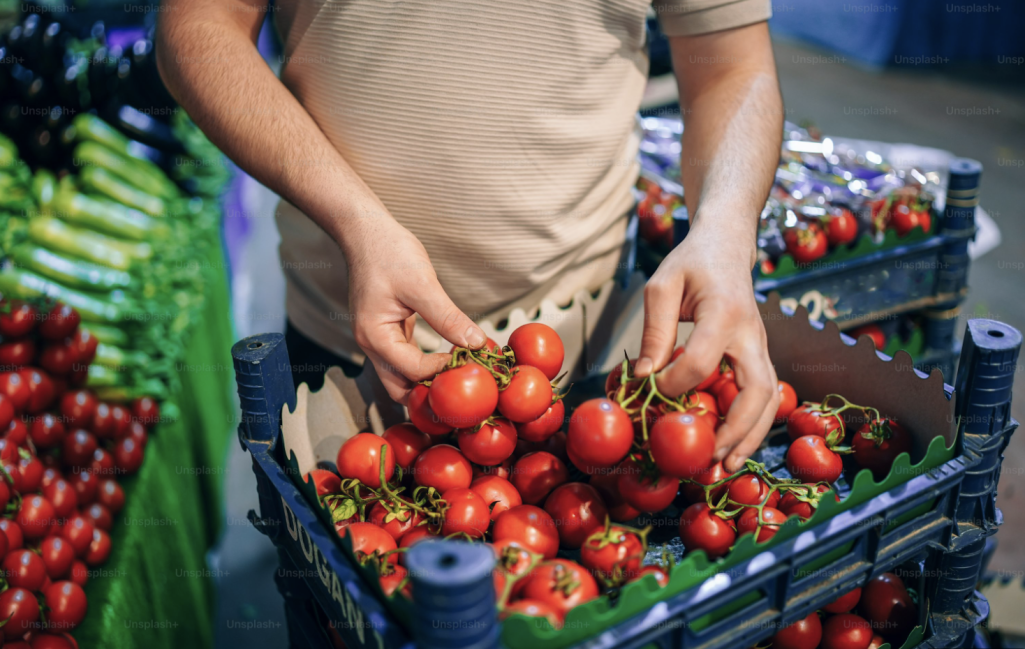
(565, 581)
(614, 535)
(507, 561)
(879, 431)
(499, 365)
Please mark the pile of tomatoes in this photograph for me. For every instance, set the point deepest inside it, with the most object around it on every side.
(61, 452)
(886, 612)
(485, 458)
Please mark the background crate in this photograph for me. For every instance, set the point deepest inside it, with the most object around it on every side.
(941, 518)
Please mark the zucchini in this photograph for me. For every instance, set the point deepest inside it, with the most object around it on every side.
(115, 357)
(92, 128)
(25, 284)
(141, 174)
(75, 273)
(104, 215)
(101, 181)
(107, 334)
(56, 235)
(103, 376)
(44, 185)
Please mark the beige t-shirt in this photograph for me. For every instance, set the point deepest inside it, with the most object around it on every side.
(501, 134)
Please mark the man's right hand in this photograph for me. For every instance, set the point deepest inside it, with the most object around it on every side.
(391, 280)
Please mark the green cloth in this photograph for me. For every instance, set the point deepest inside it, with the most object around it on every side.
(155, 589)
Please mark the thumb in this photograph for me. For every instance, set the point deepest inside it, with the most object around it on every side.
(661, 318)
(439, 311)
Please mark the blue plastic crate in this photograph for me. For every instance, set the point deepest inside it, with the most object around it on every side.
(942, 518)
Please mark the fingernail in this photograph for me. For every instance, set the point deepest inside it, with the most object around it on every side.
(643, 367)
(720, 453)
(737, 464)
(474, 337)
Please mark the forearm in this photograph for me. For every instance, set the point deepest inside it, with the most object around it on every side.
(208, 59)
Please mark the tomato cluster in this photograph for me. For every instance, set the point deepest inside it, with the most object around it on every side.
(61, 451)
(886, 613)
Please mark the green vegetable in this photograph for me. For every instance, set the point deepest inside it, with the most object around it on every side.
(105, 215)
(56, 235)
(44, 185)
(123, 394)
(92, 128)
(8, 152)
(107, 334)
(103, 376)
(75, 273)
(101, 181)
(13, 230)
(115, 357)
(25, 284)
(141, 174)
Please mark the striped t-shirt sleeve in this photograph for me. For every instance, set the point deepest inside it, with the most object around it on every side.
(693, 17)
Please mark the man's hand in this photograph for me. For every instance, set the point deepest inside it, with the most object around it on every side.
(391, 281)
(733, 117)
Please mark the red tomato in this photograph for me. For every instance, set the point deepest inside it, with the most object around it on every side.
(805, 633)
(846, 631)
(145, 410)
(787, 403)
(128, 456)
(78, 408)
(21, 610)
(102, 463)
(772, 518)
(556, 445)
(464, 396)
(503, 470)
(807, 419)
(122, 421)
(407, 442)
(368, 538)
(727, 392)
(749, 489)
(600, 433)
(903, 219)
(402, 519)
(528, 395)
(498, 492)
(84, 344)
(17, 318)
(531, 527)
(110, 495)
(705, 407)
(7, 413)
(544, 426)
(57, 358)
(47, 431)
(533, 608)
(806, 244)
(513, 560)
(325, 482)
(442, 467)
(489, 445)
(17, 431)
(24, 569)
(791, 505)
(16, 389)
(79, 573)
(873, 332)
(646, 490)
(102, 422)
(99, 548)
(841, 228)
(701, 529)
(888, 607)
(11, 530)
(392, 577)
(538, 345)
(535, 475)
(614, 382)
(844, 603)
(578, 511)
(682, 445)
(40, 387)
(695, 493)
(99, 516)
(138, 432)
(658, 572)
(86, 485)
(810, 459)
(360, 457)
(17, 353)
(607, 485)
(420, 412)
(31, 470)
(467, 513)
(60, 322)
(561, 583)
(66, 603)
(35, 517)
(878, 443)
(615, 554)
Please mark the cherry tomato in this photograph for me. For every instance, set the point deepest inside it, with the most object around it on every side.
(102, 422)
(705, 407)
(787, 403)
(60, 322)
(615, 554)
(614, 382)
(841, 228)
(78, 448)
(99, 548)
(35, 517)
(503, 470)
(903, 219)
(442, 467)
(110, 495)
(607, 485)
(17, 431)
(392, 577)
(810, 459)
(578, 511)
(464, 396)
(467, 513)
(561, 583)
(57, 358)
(79, 573)
(100, 517)
(498, 492)
(16, 389)
(24, 569)
(846, 631)
(21, 610)
(138, 432)
(749, 489)
(86, 485)
(402, 519)
(695, 493)
(57, 555)
(11, 530)
(407, 442)
(878, 443)
(7, 413)
(772, 518)
(873, 332)
(545, 426)
(360, 457)
(5, 497)
(66, 603)
(538, 345)
(84, 344)
(31, 470)
(122, 421)
(528, 395)
(600, 433)
(808, 420)
(727, 392)
(805, 633)
(420, 412)
(844, 603)
(658, 572)
(805, 244)
(535, 475)
(41, 389)
(791, 505)
(368, 538)
(17, 353)
(78, 531)
(17, 318)
(325, 481)
(128, 456)
(47, 431)
(888, 607)
(531, 527)
(701, 529)
(489, 445)
(534, 608)
(646, 490)
(682, 445)
(556, 445)
(146, 411)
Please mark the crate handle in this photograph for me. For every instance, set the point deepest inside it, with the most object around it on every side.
(264, 377)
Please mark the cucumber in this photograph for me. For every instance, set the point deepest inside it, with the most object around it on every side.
(92, 128)
(56, 235)
(141, 174)
(103, 376)
(101, 181)
(104, 215)
(26, 284)
(74, 273)
(107, 334)
(114, 357)
(44, 185)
